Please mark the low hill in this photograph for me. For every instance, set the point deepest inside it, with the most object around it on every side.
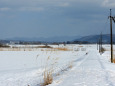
(94, 38)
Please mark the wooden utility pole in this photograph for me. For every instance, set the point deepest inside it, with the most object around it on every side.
(97, 44)
(111, 37)
(101, 42)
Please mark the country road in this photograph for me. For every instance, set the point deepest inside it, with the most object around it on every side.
(88, 70)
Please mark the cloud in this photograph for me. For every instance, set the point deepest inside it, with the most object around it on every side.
(22, 9)
(31, 9)
(55, 16)
(109, 3)
(5, 9)
(39, 5)
(64, 4)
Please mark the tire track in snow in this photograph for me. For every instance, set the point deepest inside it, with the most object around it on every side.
(107, 77)
(88, 64)
(89, 71)
(81, 60)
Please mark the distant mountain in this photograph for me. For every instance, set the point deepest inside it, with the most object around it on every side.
(68, 39)
(49, 39)
(94, 38)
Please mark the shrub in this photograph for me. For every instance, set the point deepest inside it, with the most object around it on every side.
(102, 50)
(3, 45)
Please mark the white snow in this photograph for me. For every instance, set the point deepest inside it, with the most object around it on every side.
(89, 68)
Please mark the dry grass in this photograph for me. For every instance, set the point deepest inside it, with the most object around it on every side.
(44, 47)
(10, 49)
(47, 77)
(47, 74)
(18, 49)
(41, 48)
(114, 59)
(103, 50)
(62, 49)
(80, 46)
(70, 65)
(58, 49)
(48, 58)
(108, 50)
(24, 48)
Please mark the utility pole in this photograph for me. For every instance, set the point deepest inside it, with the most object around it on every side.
(111, 37)
(97, 44)
(101, 42)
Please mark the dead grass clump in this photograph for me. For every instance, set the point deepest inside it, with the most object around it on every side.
(48, 58)
(48, 78)
(114, 59)
(108, 50)
(102, 50)
(1, 49)
(62, 49)
(44, 47)
(80, 46)
(70, 65)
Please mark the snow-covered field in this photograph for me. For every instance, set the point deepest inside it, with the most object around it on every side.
(76, 65)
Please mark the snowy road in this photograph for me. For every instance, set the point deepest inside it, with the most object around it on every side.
(89, 70)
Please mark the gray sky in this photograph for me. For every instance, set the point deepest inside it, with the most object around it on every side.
(48, 18)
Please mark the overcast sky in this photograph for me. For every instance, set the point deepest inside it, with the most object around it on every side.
(48, 18)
